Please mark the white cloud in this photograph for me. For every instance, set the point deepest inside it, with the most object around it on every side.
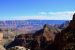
(66, 15)
(43, 13)
(64, 12)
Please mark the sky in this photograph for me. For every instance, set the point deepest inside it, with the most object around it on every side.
(37, 9)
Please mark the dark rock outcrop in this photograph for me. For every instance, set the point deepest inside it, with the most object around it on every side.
(66, 39)
(21, 40)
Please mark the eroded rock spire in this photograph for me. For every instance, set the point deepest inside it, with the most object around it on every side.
(74, 16)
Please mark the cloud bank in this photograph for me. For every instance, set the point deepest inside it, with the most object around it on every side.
(66, 15)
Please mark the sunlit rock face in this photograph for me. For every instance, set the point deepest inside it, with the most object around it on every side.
(48, 33)
(1, 41)
(1, 38)
(45, 37)
(66, 39)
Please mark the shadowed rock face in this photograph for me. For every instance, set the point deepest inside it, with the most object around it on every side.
(21, 40)
(66, 39)
(72, 23)
(73, 17)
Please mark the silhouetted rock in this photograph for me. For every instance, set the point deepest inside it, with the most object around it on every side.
(66, 39)
(73, 17)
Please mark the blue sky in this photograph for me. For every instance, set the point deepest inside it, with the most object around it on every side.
(36, 9)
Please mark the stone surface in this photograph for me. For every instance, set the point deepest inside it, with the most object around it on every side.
(2, 48)
(66, 39)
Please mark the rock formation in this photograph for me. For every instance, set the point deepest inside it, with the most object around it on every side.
(66, 39)
(41, 39)
(21, 40)
(1, 40)
(45, 37)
